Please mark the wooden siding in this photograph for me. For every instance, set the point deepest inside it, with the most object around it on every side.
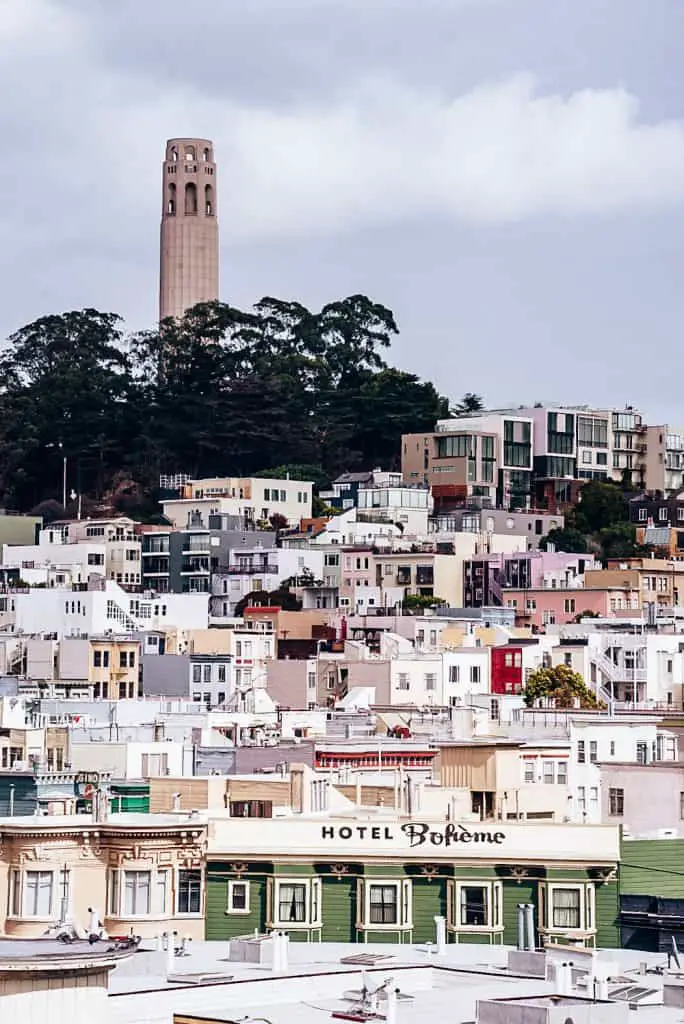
(277, 791)
(652, 867)
(371, 796)
(219, 924)
(429, 900)
(339, 909)
(607, 914)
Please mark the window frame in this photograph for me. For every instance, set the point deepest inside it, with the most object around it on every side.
(404, 904)
(177, 892)
(312, 903)
(18, 894)
(230, 904)
(587, 907)
(494, 905)
(159, 880)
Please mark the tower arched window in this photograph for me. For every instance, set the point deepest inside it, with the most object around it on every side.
(191, 198)
(208, 200)
(174, 153)
(207, 154)
(190, 153)
(171, 202)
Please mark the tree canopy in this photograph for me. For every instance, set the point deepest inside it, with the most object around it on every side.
(272, 389)
(560, 684)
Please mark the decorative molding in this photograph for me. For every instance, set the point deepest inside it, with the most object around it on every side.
(429, 871)
(519, 873)
(239, 868)
(605, 875)
(339, 871)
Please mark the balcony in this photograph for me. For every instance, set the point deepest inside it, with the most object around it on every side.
(250, 569)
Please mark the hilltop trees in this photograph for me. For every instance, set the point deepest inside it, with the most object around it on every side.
(560, 684)
(220, 391)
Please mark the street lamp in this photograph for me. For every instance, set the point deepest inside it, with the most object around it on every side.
(64, 470)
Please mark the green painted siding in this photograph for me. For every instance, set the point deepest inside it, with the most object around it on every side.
(652, 867)
(513, 894)
(339, 909)
(607, 914)
(429, 900)
(221, 925)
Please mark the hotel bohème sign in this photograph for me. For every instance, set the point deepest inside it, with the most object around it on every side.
(397, 838)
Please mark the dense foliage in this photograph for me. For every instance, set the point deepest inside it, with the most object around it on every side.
(222, 391)
(560, 684)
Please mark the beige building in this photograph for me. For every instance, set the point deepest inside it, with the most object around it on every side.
(143, 878)
(189, 252)
(504, 778)
(114, 667)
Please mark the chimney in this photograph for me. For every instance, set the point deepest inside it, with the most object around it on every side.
(300, 797)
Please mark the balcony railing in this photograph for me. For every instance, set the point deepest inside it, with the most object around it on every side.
(268, 568)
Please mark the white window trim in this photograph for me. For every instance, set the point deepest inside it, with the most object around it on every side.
(494, 905)
(22, 872)
(404, 891)
(587, 893)
(176, 895)
(314, 909)
(230, 909)
(119, 913)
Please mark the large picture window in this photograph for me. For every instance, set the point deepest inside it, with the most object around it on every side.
(477, 906)
(387, 905)
(138, 893)
(297, 903)
(189, 891)
(567, 907)
(32, 893)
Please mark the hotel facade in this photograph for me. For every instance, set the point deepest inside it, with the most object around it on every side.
(386, 878)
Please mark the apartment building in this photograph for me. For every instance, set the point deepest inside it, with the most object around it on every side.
(659, 581)
(407, 505)
(540, 607)
(456, 462)
(252, 499)
(487, 578)
(253, 568)
(530, 527)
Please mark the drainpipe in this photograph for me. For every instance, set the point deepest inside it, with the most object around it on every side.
(11, 801)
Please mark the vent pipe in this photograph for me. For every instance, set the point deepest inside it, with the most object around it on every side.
(531, 944)
(440, 928)
(521, 927)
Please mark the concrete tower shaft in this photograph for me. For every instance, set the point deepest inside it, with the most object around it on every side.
(189, 257)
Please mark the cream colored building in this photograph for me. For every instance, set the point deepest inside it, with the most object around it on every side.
(114, 667)
(141, 873)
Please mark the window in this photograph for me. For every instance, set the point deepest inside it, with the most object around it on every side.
(478, 906)
(593, 751)
(403, 683)
(138, 893)
(383, 902)
(221, 673)
(95, 559)
(188, 895)
(681, 806)
(616, 802)
(474, 673)
(387, 904)
(123, 659)
(297, 902)
(562, 773)
(197, 673)
(581, 799)
(97, 659)
(580, 752)
(36, 898)
(612, 748)
(566, 908)
(530, 771)
(454, 673)
(549, 774)
(569, 604)
(238, 897)
(430, 681)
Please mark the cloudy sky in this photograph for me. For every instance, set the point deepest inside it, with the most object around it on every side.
(506, 175)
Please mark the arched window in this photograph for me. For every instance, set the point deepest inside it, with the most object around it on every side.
(191, 198)
(189, 153)
(171, 204)
(208, 200)
(207, 154)
(174, 153)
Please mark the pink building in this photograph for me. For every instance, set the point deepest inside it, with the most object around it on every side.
(539, 607)
(357, 569)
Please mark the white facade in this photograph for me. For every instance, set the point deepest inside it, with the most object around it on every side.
(594, 742)
(403, 505)
(253, 499)
(110, 609)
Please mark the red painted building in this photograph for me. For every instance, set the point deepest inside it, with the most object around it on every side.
(507, 669)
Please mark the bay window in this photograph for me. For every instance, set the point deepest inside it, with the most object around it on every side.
(296, 903)
(385, 904)
(476, 906)
(32, 893)
(138, 893)
(567, 907)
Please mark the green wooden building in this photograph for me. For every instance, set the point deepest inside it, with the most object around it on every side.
(652, 894)
(355, 880)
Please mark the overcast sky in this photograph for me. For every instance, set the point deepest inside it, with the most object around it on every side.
(506, 175)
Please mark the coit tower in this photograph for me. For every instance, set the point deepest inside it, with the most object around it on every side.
(189, 265)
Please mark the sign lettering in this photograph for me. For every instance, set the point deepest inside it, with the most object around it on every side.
(418, 833)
